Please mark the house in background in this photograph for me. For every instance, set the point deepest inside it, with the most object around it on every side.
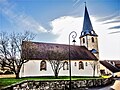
(84, 58)
(112, 66)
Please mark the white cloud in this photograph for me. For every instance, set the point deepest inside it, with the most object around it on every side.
(64, 25)
(109, 45)
(18, 18)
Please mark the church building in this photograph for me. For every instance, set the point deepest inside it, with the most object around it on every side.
(84, 58)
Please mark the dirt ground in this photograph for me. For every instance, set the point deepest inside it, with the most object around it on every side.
(7, 76)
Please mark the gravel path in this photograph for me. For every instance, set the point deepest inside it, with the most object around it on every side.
(7, 76)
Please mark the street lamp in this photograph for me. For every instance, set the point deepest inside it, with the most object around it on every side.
(73, 36)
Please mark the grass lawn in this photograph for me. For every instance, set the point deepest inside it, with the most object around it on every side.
(8, 81)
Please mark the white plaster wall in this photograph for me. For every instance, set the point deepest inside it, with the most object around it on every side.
(32, 68)
(104, 68)
(91, 45)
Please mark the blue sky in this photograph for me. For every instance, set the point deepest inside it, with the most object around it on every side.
(51, 20)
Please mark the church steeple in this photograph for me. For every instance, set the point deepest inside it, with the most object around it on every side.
(87, 25)
(88, 36)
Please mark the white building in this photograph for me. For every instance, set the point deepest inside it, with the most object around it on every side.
(84, 58)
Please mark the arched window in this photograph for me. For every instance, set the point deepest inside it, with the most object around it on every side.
(65, 65)
(43, 65)
(75, 63)
(92, 32)
(81, 65)
(93, 40)
(83, 40)
(82, 33)
(86, 64)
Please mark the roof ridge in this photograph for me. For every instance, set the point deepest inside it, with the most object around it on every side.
(52, 43)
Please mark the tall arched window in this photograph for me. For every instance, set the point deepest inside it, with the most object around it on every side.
(65, 65)
(81, 65)
(43, 65)
(86, 64)
(75, 64)
(93, 40)
(83, 40)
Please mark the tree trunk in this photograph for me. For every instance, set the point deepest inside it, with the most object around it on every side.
(94, 70)
(17, 72)
(17, 75)
(56, 74)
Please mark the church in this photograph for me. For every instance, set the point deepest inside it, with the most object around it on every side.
(82, 60)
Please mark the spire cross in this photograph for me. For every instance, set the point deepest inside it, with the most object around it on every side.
(85, 3)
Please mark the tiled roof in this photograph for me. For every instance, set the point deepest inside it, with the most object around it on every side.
(38, 51)
(112, 65)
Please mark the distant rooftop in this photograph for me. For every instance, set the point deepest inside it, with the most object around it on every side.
(112, 65)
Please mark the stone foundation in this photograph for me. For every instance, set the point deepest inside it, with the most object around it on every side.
(58, 84)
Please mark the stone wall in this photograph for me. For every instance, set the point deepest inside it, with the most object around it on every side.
(58, 84)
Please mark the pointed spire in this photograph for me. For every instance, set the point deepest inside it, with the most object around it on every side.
(87, 25)
(85, 3)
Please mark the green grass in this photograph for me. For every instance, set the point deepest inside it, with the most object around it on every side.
(8, 81)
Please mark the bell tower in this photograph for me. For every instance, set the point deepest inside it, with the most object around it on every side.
(88, 36)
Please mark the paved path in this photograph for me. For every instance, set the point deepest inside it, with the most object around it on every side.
(98, 88)
(102, 88)
(7, 76)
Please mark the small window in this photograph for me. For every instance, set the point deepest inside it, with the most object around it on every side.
(86, 64)
(81, 65)
(93, 40)
(82, 33)
(75, 64)
(43, 65)
(65, 65)
(92, 32)
(102, 72)
(83, 40)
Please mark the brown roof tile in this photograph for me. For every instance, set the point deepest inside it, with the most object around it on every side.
(38, 51)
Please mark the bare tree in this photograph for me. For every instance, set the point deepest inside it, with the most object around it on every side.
(56, 59)
(94, 66)
(11, 50)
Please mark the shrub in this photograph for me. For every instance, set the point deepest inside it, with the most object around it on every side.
(8, 72)
(1, 72)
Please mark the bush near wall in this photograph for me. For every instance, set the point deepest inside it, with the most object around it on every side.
(8, 72)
